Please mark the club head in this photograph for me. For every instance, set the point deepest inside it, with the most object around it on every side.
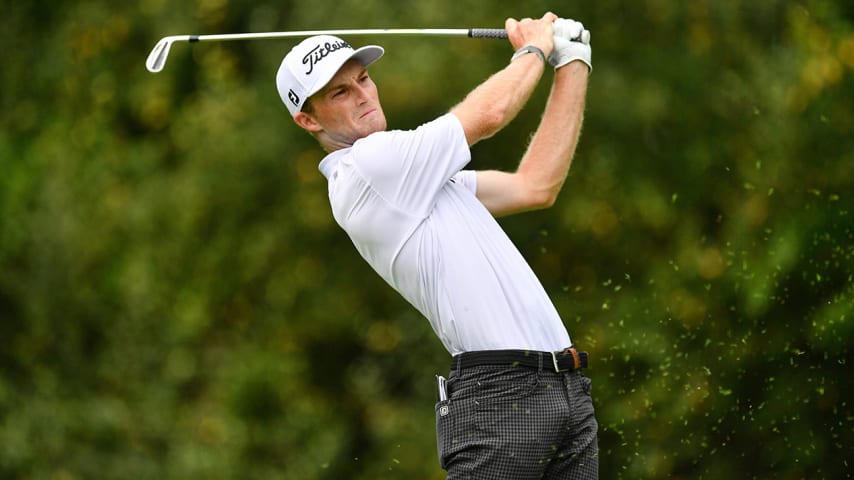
(157, 58)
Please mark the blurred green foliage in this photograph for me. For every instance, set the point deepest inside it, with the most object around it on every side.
(176, 301)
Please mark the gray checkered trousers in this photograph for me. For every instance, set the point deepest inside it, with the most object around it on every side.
(517, 422)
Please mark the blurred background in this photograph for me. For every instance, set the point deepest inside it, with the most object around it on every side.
(176, 301)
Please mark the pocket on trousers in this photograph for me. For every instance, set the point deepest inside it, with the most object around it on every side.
(510, 386)
(586, 385)
(444, 431)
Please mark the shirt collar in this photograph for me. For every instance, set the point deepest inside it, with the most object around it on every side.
(330, 162)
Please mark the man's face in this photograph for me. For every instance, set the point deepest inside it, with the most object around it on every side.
(346, 109)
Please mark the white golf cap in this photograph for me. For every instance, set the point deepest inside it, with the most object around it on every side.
(310, 65)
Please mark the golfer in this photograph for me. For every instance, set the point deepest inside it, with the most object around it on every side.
(516, 404)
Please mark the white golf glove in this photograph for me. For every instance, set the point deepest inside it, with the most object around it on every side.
(571, 42)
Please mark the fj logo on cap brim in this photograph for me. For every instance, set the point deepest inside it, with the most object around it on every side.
(293, 97)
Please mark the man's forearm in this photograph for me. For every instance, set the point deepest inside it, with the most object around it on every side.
(497, 101)
(546, 162)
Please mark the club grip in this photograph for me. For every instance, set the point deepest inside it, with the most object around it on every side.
(487, 33)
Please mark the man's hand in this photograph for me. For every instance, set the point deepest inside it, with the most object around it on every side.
(532, 32)
(571, 42)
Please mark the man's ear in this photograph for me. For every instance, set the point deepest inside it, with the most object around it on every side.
(307, 122)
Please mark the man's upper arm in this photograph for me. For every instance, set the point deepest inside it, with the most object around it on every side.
(504, 193)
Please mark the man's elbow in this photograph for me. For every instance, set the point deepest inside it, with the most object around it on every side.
(480, 124)
(541, 199)
(493, 119)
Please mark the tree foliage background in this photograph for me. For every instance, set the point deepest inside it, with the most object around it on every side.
(177, 302)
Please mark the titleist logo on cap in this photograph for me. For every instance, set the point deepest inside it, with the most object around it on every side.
(319, 52)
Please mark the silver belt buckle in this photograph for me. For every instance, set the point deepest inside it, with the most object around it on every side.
(554, 361)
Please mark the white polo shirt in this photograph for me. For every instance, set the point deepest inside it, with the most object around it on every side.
(412, 213)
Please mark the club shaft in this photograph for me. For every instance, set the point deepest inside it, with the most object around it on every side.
(157, 57)
(442, 32)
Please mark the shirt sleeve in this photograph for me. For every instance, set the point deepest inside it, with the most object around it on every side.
(409, 168)
(468, 179)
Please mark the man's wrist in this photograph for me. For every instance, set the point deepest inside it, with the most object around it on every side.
(575, 67)
(530, 49)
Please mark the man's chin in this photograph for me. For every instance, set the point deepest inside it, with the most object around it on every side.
(375, 122)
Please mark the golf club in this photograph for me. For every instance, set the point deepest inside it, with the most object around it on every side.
(157, 58)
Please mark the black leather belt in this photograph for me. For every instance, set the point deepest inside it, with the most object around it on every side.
(565, 361)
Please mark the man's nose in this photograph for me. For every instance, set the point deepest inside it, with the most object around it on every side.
(360, 91)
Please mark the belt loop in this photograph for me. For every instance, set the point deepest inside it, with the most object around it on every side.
(575, 360)
(539, 363)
